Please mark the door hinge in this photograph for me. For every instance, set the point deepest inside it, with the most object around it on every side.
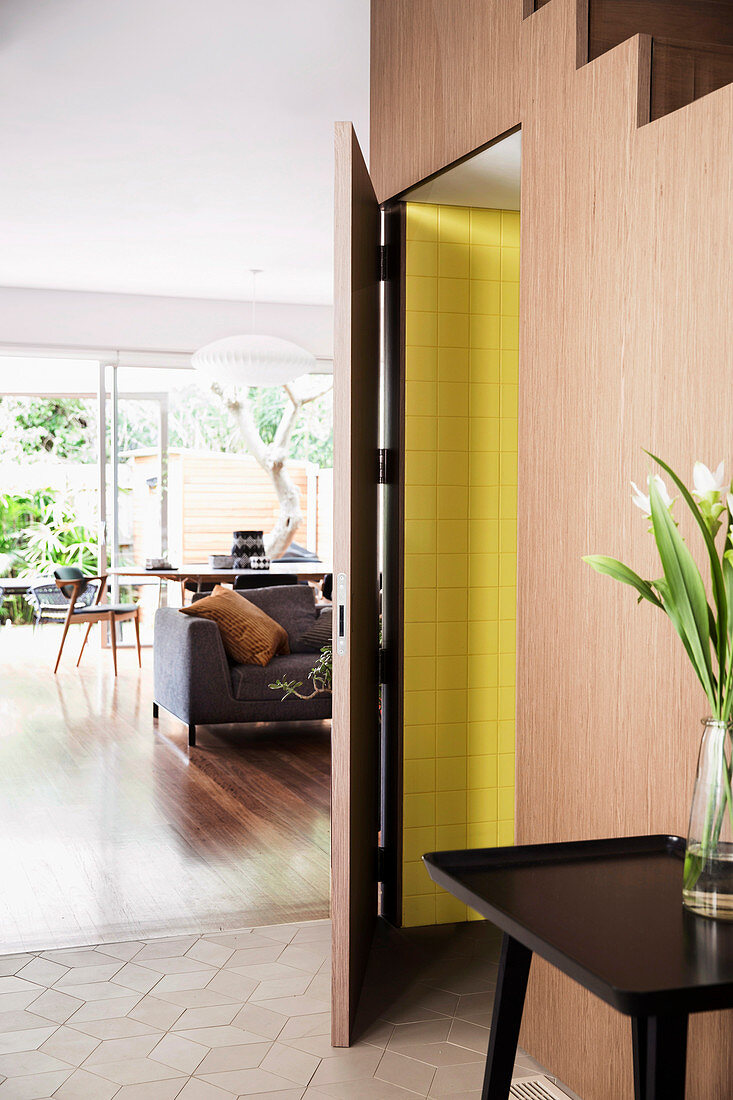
(383, 665)
(383, 263)
(385, 462)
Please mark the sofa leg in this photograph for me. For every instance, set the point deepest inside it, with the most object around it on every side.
(155, 710)
(192, 735)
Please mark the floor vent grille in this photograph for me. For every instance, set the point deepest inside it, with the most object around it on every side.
(536, 1088)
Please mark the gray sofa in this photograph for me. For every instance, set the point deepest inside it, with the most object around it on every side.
(195, 681)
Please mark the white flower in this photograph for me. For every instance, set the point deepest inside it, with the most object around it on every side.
(641, 500)
(706, 481)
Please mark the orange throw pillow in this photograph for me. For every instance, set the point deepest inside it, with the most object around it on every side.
(250, 636)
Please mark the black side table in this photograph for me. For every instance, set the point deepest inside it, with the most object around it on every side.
(609, 914)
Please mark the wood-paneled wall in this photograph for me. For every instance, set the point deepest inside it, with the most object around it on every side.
(444, 81)
(625, 337)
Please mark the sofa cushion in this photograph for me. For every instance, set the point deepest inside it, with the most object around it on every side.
(320, 633)
(250, 636)
(251, 683)
(291, 605)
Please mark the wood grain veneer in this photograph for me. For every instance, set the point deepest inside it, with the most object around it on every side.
(444, 81)
(625, 336)
(355, 786)
(612, 21)
(682, 72)
(625, 332)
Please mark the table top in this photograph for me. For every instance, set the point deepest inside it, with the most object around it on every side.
(606, 912)
(14, 585)
(205, 572)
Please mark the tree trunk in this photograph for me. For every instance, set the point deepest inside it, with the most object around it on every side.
(272, 457)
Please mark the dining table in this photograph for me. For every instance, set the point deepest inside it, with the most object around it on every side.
(200, 573)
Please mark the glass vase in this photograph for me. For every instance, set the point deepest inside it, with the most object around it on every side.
(708, 873)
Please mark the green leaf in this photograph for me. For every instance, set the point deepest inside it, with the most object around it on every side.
(687, 603)
(610, 567)
(720, 592)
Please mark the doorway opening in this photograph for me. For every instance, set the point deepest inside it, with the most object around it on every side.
(114, 830)
(454, 378)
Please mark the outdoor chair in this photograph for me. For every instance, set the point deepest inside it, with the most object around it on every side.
(50, 604)
(72, 586)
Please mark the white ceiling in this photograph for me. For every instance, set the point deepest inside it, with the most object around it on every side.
(489, 179)
(167, 146)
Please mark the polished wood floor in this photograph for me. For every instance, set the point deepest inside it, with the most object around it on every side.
(113, 829)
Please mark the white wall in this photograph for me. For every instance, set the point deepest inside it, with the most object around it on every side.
(58, 319)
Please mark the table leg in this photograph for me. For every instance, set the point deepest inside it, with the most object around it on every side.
(511, 987)
(639, 1041)
(660, 1057)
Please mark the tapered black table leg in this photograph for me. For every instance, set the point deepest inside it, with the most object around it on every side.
(660, 1057)
(507, 1017)
(639, 1039)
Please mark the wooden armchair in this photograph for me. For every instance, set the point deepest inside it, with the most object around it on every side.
(73, 583)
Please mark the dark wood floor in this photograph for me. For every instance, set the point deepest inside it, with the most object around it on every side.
(111, 829)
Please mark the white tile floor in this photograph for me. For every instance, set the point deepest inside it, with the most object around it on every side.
(246, 1014)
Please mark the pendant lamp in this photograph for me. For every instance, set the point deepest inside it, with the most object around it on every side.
(253, 360)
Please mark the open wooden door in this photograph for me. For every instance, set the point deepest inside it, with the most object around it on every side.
(355, 737)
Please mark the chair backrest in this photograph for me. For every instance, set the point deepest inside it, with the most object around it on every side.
(69, 573)
(271, 580)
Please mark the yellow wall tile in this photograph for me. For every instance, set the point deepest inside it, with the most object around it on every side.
(419, 776)
(422, 398)
(486, 297)
(450, 774)
(419, 707)
(422, 222)
(453, 296)
(453, 224)
(485, 262)
(451, 836)
(460, 540)
(421, 364)
(419, 741)
(422, 256)
(453, 261)
(421, 468)
(416, 880)
(449, 910)
(451, 739)
(485, 364)
(421, 329)
(485, 331)
(418, 911)
(453, 364)
(419, 809)
(418, 841)
(418, 672)
(421, 293)
(420, 570)
(486, 227)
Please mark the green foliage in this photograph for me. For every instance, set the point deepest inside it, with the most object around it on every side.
(321, 677)
(706, 632)
(38, 427)
(39, 531)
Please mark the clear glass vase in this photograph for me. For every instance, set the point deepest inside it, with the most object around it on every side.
(708, 875)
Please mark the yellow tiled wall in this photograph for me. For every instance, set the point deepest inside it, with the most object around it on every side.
(462, 329)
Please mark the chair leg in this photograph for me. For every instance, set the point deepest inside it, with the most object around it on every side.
(86, 635)
(136, 620)
(63, 639)
(192, 735)
(113, 638)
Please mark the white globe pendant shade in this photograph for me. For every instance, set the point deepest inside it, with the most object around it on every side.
(253, 361)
